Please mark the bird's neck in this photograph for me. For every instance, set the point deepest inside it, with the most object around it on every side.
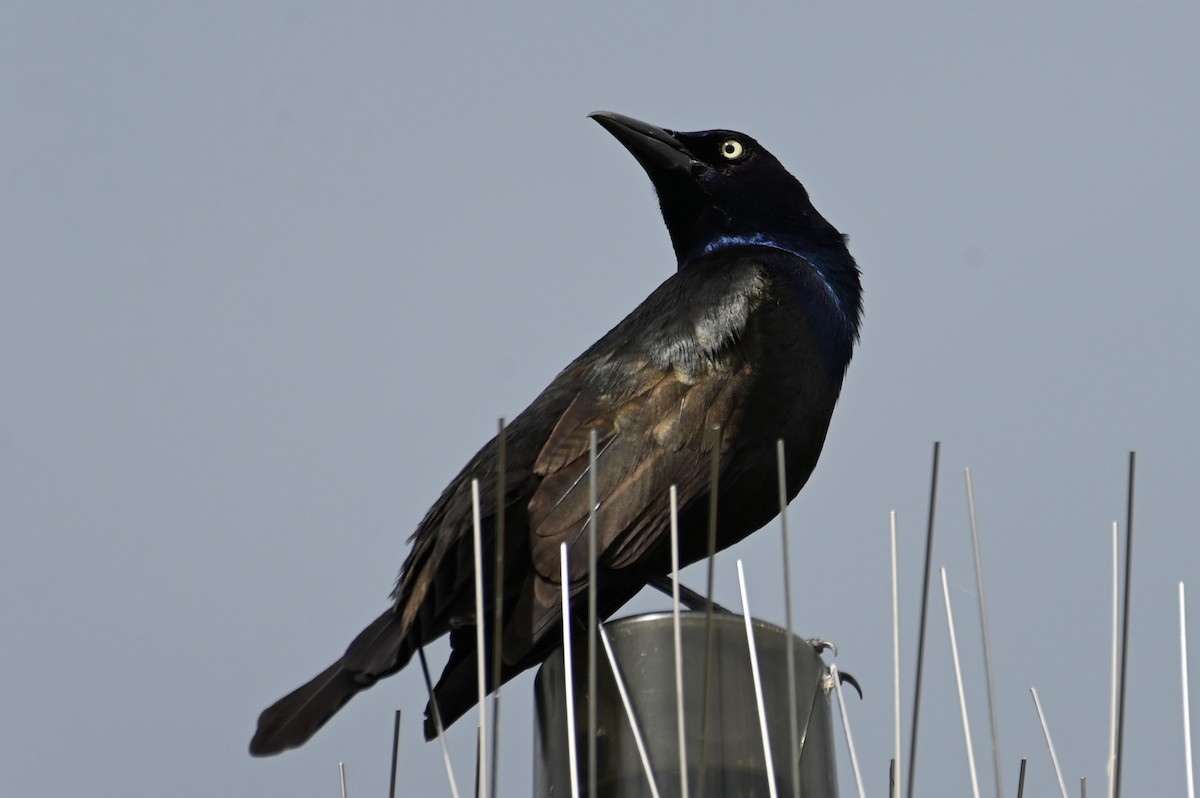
(825, 282)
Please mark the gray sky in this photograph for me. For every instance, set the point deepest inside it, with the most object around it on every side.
(271, 273)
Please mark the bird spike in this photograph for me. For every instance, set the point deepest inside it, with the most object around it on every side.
(592, 621)
(498, 602)
(757, 679)
(395, 756)
(962, 695)
(894, 791)
(916, 716)
(1125, 627)
(683, 775)
(437, 723)
(1037, 704)
(986, 635)
(714, 476)
(569, 670)
(638, 740)
(480, 633)
(837, 684)
(793, 720)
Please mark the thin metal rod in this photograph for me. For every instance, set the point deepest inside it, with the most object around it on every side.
(1125, 626)
(683, 776)
(759, 701)
(793, 719)
(437, 724)
(498, 601)
(593, 624)
(962, 695)
(894, 784)
(714, 477)
(638, 740)
(342, 777)
(395, 756)
(568, 670)
(819, 691)
(1111, 765)
(837, 684)
(1083, 787)
(480, 636)
(480, 782)
(1021, 779)
(1062, 785)
(916, 708)
(1187, 706)
(987, 637)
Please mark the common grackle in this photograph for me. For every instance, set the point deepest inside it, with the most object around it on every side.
(752, 333)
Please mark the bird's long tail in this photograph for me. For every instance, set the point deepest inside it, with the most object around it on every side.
(296, 717)
(380, 650)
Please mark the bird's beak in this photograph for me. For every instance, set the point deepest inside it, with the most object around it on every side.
(656, 149)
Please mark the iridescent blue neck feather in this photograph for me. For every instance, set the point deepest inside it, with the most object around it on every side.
(825, 283)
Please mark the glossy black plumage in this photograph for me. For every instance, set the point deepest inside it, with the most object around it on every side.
(753, 333)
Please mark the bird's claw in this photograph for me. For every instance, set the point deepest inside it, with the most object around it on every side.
(822, 645)
(846, 678)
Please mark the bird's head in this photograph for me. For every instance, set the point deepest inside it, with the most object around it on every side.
(719, 188)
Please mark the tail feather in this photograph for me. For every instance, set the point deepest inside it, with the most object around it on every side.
(379, 650)
(296, 717)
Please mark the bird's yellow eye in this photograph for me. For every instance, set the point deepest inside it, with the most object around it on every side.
(732, 149)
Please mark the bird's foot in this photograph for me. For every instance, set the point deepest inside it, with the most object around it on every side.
(823, 645)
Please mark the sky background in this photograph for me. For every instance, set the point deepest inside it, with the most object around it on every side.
(271, 272)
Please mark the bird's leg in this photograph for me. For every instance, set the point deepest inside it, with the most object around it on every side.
(687, 597)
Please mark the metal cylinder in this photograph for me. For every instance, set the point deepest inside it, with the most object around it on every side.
(728, 757)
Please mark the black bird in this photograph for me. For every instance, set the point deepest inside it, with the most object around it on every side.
(753, 333)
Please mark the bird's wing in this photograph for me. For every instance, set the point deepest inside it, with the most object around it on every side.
(653, 400)
(657, 436)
